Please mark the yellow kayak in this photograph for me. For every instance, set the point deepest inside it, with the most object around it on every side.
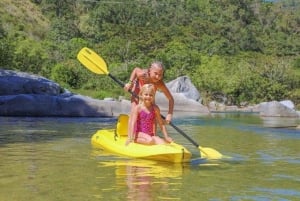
(107, 140)
(113, 140)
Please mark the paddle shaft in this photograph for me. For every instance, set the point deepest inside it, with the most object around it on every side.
(117, 81)
(174, 126)
(182, 133)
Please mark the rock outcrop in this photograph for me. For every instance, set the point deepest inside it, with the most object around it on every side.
(63, 106)
(185, 94)
(183, 85)
(23, 94)
(15, 83)
(276, 109)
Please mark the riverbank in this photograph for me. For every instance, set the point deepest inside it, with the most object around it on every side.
(23, 94)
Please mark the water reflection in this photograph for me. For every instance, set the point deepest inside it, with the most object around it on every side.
(280, 122)
(230, 119)
(50, 159)
(139, 179)
(144, 179)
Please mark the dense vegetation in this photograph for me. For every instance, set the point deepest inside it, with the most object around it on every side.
(248, 50)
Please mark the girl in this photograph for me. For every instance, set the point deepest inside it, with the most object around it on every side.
(143, 118)
(152, 75)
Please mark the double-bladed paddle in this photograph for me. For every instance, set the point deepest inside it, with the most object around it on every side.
(96, 64)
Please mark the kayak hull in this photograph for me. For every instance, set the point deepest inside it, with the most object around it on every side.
(170, 152)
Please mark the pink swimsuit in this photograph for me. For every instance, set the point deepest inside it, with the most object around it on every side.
(145, 122)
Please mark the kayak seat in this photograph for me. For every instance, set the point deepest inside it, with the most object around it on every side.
(122, 125)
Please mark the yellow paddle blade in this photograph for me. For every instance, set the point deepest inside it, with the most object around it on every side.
(92, 61)
(210, 153)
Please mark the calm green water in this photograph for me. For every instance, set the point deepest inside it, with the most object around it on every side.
(52, 159)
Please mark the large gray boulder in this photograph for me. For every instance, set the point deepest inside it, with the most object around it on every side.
(276, 109)
(14, 83)
(72, 106)
(23, 94)
(184, 86)
(185, 94)
(181, 104)
(288, 103)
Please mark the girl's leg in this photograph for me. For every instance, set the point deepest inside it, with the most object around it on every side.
(144, 138)
(158, 140)
(133, 105)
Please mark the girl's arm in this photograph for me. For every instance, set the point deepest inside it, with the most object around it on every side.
(161, 124)
(163, 88)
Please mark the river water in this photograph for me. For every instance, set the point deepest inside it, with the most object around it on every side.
(52, 159)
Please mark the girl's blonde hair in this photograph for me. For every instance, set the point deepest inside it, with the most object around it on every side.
(146, 87)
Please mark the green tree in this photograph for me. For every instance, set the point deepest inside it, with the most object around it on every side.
(29, 56)
(6, 50)
(179, 59)
(69, 74)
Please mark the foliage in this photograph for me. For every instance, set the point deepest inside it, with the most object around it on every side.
(69, 74)
(29, 56)
(246, 79)
(6, 50)
(247, 50)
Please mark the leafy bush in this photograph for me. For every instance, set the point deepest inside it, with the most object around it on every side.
(29, 56)
(69, 74)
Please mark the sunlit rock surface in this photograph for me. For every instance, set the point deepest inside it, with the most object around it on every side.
(23, 94)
